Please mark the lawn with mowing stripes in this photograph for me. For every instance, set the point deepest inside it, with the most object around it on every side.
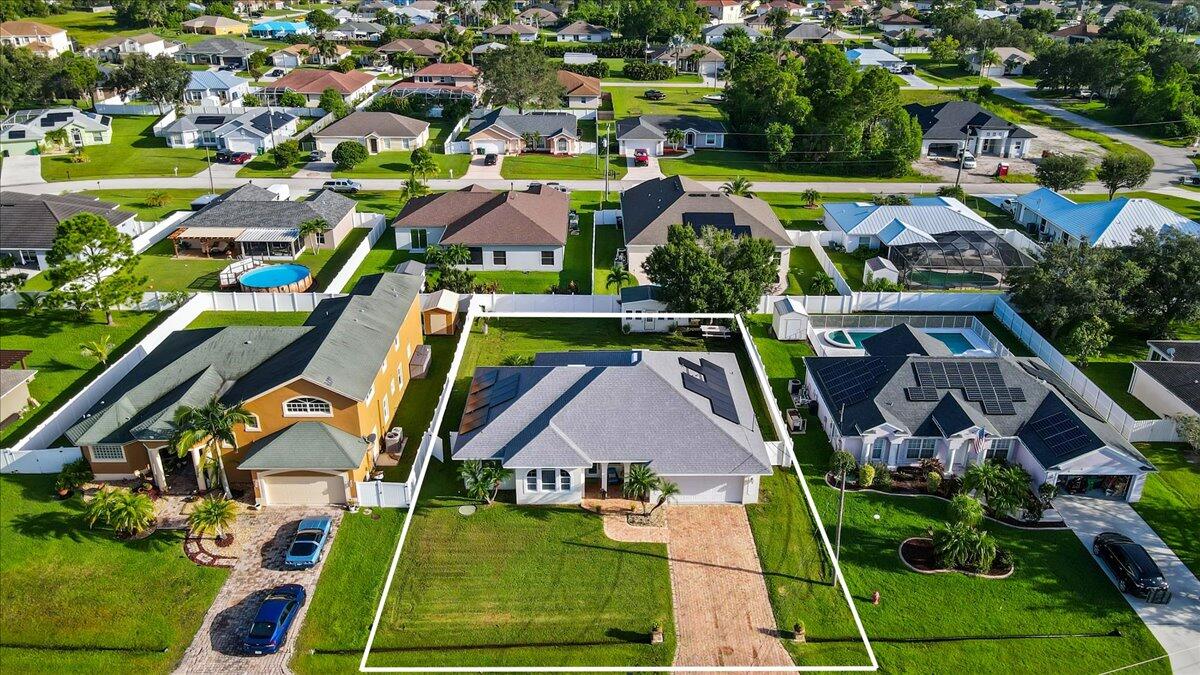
(54, 337)
(1170, 501)
(138, 201)
(1056, 589)
(133, 151)
(66, 590)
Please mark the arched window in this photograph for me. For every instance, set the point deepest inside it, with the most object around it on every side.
(307, 406)
(564, 480)
(562, 145)
(531, 481)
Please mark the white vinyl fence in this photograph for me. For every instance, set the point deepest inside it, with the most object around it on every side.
(1154, 431)
(544, 304)
(48, 460)
(141, 109)
(383, 494)
(159, 231)
(924, 302)
(377, 224)
(453, 147)
(828, 321)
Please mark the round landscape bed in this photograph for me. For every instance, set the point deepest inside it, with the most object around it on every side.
(918, 555)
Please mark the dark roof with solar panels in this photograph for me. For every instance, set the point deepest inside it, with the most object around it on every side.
(939, 396)
(685, 413)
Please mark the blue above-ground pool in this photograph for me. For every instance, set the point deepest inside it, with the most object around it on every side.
(289, 278)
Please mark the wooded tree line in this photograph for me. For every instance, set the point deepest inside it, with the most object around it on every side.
(820, 112)
(27, 78)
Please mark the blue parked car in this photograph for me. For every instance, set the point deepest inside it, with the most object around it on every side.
(274, 618)
(309, 543)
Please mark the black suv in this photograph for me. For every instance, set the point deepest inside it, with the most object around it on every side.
(1133, 567)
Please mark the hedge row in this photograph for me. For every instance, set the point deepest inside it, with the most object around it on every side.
(597, 69)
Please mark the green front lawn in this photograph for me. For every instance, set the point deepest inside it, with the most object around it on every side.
(945, 74)
(74, 599)
(544, 166)
(723, 164)
(631, 102)
(919, 626)
(220, 319)
(263, 166)
(134, 151)
(796, 214)
(54, 338)
(616, 73)
(136, 200)
(1171, 499)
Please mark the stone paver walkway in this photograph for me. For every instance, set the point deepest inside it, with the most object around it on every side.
(722, 611)
(264, 539)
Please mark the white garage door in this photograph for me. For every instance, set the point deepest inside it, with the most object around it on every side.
(285, 489)
(628, 148)
(488, 147)
(708, 489)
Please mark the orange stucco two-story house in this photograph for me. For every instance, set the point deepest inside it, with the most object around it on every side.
(321, 394)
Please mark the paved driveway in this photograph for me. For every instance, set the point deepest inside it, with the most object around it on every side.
(217, 646)
(641, 173)
(477, 170)
(21, 170)
(1177, 624)
(915, 82)
(722, 612)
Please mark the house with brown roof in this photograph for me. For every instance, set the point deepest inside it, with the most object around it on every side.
(538, 17)
(649, 209)
(302, 53)
(580, 91)
(215, 25)
(503, 230)
(511, 31)
(437, 80)
(423, 50)
(376, 131)
(893, 21)
(46, 40)
(700, 59)
(312, 82)
(1077, 33)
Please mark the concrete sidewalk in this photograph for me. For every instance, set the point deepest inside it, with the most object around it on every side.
(1176, 624)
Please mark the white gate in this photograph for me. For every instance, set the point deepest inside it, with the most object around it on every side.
(50, 460)
(378, 493)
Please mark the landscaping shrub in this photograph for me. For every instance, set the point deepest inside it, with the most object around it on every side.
(73, 476)
(965, 509)
(125, 511)
(349, 154)
(959, 545)
(644, 71)
(842, 462)
(934, 482)
(952, 191)
(883, 476)
(613, 49)
(157, 198)
(285, 154)
(293, 99)
(866, 475)
(597, 69)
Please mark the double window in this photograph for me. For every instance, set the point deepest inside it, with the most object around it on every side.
(1000, 448)
(549, 480)
(420, 239)
(920, 448)
(307, 406)
(547, 258)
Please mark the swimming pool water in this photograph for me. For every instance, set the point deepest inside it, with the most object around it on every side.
(956, 342)
(272, 276)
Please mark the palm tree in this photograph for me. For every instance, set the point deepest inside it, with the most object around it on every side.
(309, 230)
(983, 479)
(955, 544)
(738, 187)
(675, 137)
(31, 303)
(97, 508)
(822, 284)
(211, 427)
(422, 163)
(499, 10)
(413, 188)
(964, 508)
(619, 277)
(667, 492)
(834, 21)
(324, 48)
(213, 515)
(482, 481)
(130, 512)
(640, 481)
(987, 59)
(447, 256)
(811, 198)
(98, 349)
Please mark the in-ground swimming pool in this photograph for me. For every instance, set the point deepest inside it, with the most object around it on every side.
(955, 341)
(289, 278)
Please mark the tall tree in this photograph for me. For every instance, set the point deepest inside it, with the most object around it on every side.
(422, 164)
(210, 427)
(1169, 292)
(1124, 171)
(320, 19)
(713, 273)
(1063, 173)
(520, 77)
(1070, 283)
(92, 264)
(165, 80)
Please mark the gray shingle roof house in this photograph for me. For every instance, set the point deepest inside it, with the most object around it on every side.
(814, 32)
(219, 52)
(649, 209)
(1168, 382)
(314, 410)
(256, 222)
(521, 230)
(649, 133)
(946, 127)
(376, 131)
(575, 422)
(505, 131)
(581, 31)
(899, 408)
(30, 222)
(255, 130)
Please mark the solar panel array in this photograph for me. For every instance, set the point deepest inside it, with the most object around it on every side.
(208, 120)
(708, 380)
(850, 381)
(982, 383)
(487, 391)
(1062, 434)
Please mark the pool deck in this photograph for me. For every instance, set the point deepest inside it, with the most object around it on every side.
(826, 349)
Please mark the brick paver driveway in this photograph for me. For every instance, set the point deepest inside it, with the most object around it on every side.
(722, 611)
(217, 646)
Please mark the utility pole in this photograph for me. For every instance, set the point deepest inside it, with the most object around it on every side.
(212, 188)
(963, 154)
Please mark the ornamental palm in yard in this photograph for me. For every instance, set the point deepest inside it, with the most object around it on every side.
(640, 481)
(310, 228)
(667, 492)
(209, 426)
(482, 481)
(213, 515)
(130, 512)
(738, 187)
(98, 349)
(619, 277)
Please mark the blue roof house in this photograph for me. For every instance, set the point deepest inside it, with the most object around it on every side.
(1104, 223)
(864, 224)
(215, 87)
(280, 29)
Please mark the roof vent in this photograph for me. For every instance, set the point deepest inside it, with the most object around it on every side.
(1170, 353)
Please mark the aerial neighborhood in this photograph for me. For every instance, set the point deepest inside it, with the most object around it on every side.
(592, 336)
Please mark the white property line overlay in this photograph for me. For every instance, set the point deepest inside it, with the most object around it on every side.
(776, 421)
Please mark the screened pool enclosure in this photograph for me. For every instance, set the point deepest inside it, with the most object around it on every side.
(961, 259)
